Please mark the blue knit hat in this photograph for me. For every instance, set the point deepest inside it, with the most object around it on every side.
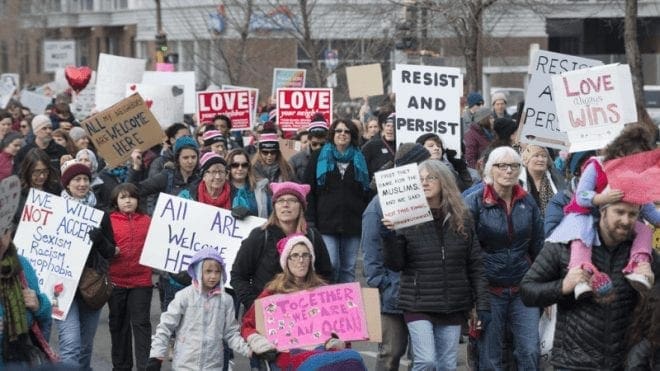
(577, 159)
(185, 141)
(474, 98)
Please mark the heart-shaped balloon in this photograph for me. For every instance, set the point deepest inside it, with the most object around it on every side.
(78, 77)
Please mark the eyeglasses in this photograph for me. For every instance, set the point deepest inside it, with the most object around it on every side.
(504, 166)
(303, 256)
(288, 201)
(215, 173)
(236, 165)
(430, 178)
(42, 172)
(342, 131)
(269, 153)
(316, 144)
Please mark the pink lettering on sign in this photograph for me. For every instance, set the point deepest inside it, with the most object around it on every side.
(308, 318)
(233, 103)
(295, 106)
(588, 86)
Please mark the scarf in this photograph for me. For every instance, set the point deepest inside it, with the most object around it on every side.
(329, 157)
(223, 200)
(120, 173)
(89, 200)
(11, 295)
(244, 197)
(543, 194)
(270, 172)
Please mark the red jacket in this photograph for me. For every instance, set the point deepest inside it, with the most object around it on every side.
(6, 164)
(130, 233)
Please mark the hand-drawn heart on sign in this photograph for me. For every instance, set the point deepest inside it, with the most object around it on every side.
(176, 91)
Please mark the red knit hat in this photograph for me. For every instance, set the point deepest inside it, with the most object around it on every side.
(73, 168)
(636, 175)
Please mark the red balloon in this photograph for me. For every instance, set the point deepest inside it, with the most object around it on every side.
(78, 77)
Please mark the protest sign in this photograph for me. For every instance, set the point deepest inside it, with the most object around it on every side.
(185, 78)
(401, 196)
(365, 80)
(59, 54)
(10, 189)
(310, 317)
(123, 127)
(295, 107)
(112, 75)
(164, 67)
(164, 101)
(428, 101)
(53, 235)
(181, 227)
(593, 104)
(36, 102)
(287, 78)
(11, 78)
(235, 104)
(82, 104)
(254, 97)
(541, 126)
(7, 91)
(289, 147)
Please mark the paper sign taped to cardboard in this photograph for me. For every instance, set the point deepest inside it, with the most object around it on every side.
(365, 80)
(401, 196)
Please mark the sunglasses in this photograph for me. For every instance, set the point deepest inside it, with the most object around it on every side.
(236, 165)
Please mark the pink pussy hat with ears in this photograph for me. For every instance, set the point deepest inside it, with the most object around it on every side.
(285, 245)
(300, 191)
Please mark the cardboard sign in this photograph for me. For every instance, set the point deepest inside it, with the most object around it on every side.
(401, 196)
(254, 97)
(180, 227)
(164, 101)
(185, 78)
(82, 104)
(59, 54)
(287, 78)
(295, 107)
(120, 129)
(36, 102)
(541, 126)
(233, 103)
(112, 76)
(428, 101)
(7, 91)
(310, 317)
(53, 235)
(594, 104)
(366, 80)
(10, 191)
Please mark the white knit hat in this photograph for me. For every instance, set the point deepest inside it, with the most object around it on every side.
(285, 245)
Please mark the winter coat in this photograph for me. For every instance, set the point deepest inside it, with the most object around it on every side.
(336, 207)
(102, 187)
(377, 154)
(6, 164)
(168, 181)
(377, 275)
(588, 335)
(509, 242)
(257, 261)
(130, 231)
(53, 150)
(299, 163)
(441, 271)
(476, 143)
(103, 249)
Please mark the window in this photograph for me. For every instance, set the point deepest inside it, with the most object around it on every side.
(121, 4)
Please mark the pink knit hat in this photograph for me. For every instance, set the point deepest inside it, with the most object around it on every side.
(636, 175)
(300, 191)
(285, 245)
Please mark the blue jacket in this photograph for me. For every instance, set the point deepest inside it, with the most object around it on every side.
(509, 242)
(385, 280)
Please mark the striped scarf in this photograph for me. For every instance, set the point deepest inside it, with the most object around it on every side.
(11, 297)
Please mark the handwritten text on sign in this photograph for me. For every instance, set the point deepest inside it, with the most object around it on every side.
(310, 317)
(401, 196)
(428, 101)
(53, 235)
(295, 107)
(173, 239)
(593, 104)
(233, 103)
(123, 127)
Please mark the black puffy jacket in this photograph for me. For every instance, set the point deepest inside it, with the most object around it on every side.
(441, 271)
(588, 335)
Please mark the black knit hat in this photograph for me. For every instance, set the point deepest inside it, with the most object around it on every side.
(409, 153)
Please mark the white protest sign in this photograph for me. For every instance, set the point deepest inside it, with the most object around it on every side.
(184, 78)
(53, 236)
(164, 101)
(594, 104)
(11, 78)
(181, 227)
(10, 189)
(82, 103)
(401, 196)
(36, 102)
(6, 92)
(59, 54)
(428, 101)
(112, 75)
(541, 126)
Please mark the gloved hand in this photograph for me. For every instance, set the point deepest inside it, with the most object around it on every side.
(334, 344)
(240, 212)
(95, 235)
(154, 364)
(259, 344)
(269, 356)
(458, 163)
(484, 317)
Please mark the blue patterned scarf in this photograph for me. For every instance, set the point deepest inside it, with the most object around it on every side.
(329, 157)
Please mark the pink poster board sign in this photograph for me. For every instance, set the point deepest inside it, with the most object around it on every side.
(308, 318)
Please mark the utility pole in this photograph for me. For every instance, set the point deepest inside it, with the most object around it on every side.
(161, 36)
